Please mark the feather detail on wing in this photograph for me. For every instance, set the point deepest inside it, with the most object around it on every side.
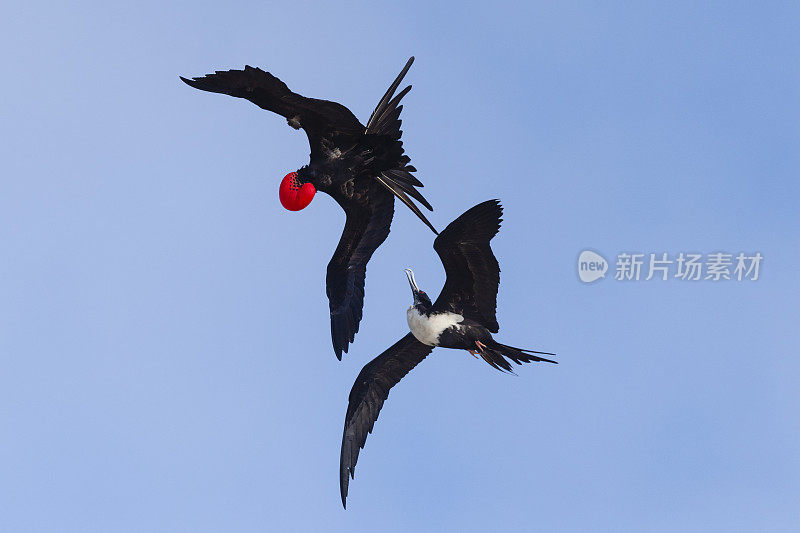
(369, 391)
(369, 217)
(321, 119)
(473, 274)
(385, 121)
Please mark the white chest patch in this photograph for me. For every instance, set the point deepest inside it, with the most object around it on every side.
(428, 328)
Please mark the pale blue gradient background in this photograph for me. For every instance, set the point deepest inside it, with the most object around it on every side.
(165, 361)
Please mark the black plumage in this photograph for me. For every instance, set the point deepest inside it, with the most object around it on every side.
(362, 167)
(367, 396)
(465, 311)
(472, 272)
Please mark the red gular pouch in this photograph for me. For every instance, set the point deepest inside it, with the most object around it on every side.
(294, 195)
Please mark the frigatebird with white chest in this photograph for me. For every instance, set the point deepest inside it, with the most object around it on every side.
(362, 167)
(462, 317)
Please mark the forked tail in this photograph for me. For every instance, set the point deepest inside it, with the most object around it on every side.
(496, 354)
(385, 120)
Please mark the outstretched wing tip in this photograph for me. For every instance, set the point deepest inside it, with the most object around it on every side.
(370, 390)
(494, 202)
(344, 327)
(191, 82)
(343, 482)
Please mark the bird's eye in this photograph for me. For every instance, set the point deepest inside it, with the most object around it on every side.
(295, 196)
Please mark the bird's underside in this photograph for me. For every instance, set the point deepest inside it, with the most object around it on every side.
(363, 167)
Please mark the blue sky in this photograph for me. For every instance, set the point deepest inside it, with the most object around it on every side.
(164, 338)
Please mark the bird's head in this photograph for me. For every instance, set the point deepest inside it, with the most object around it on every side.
(295, 194)
(420, 298)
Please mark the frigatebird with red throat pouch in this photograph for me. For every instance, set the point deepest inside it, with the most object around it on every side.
(362, 167)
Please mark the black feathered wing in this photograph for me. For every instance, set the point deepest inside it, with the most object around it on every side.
(326, 123)
(473, 274)
(367, 396)
(330, 125)
(369, 216)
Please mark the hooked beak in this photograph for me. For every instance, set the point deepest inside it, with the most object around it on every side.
(412, 282)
